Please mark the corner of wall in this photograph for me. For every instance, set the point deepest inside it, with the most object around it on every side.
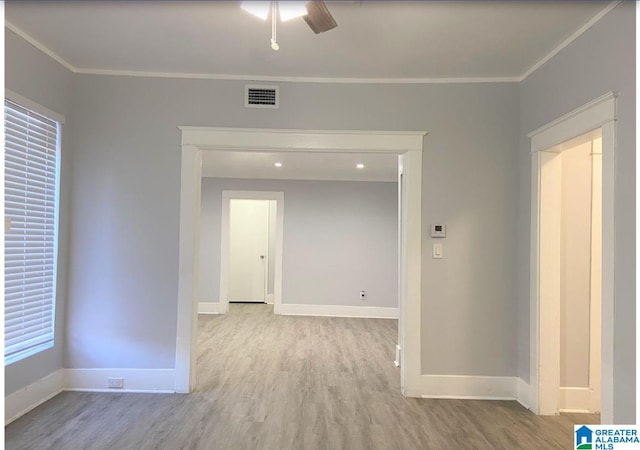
(523, 394)
(29, 397)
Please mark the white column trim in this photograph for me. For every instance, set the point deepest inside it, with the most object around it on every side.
(411, 280)
(188, 289)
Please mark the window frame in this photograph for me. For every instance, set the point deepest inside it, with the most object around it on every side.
(59, 119)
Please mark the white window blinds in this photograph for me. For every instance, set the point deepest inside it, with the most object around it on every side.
(30, 196)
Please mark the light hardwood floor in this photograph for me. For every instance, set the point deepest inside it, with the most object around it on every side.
(278, 382)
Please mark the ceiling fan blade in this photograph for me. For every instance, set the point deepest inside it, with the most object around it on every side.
(318, 17)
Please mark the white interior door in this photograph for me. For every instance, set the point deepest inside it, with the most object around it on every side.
(248, 247)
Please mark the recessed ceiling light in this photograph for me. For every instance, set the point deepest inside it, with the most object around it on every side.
(359, 166)
(278, 164)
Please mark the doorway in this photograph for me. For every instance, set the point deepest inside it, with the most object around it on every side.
(407, 144)
(248, 250)
(251, 248)
(572, 264)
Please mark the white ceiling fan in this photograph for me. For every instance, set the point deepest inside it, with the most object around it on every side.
(315, 13)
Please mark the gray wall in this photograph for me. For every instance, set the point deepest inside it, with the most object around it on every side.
(34, 75)
(601, 60)
(339, 237)
(470, 185)
(124, 258)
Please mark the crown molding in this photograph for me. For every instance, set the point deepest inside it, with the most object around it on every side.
(291, 79)
(571, 38)
(295, 79)
(39, 45)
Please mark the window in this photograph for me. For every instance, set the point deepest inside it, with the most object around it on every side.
(31, 229)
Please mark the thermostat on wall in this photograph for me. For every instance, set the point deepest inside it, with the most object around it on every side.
(438, 230)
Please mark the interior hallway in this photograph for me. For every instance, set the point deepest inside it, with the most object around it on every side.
(282, 382)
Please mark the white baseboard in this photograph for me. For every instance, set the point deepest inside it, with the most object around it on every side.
(375, 312)
(574, 399)
(270, 299)
(135, 380)
(523, 393)
(464, 387)
(24, 400)
(209, 308)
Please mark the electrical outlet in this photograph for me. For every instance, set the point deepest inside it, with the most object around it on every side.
(362, 294)
(115, 383)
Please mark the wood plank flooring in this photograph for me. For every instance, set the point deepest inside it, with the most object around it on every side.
(278, 382)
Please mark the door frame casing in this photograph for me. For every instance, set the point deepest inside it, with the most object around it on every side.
(225, 229)
(544, 311)
(196, 140)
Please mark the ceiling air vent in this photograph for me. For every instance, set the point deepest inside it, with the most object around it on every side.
(261, 96)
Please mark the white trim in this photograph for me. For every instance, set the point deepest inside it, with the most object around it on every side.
(33, 106)
(595, 272)
(209, 308)
(400, 262)
(523, 393)
(40, 46)
(189, 260)
(135, 380)
(264, 140)
(406, 144)
(361, 312)
(410, 299)
(574, 399)
(544, 360)
(216, 132)
(24, 400)
(227, 196)
(570, 39)
(582, 119)
(270, 299)
(609, 144)
(291, 79)
(467, 387)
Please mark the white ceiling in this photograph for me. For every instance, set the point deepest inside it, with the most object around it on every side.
(300, 166)
(374, 39)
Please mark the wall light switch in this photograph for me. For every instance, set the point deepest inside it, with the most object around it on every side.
(437, 251)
